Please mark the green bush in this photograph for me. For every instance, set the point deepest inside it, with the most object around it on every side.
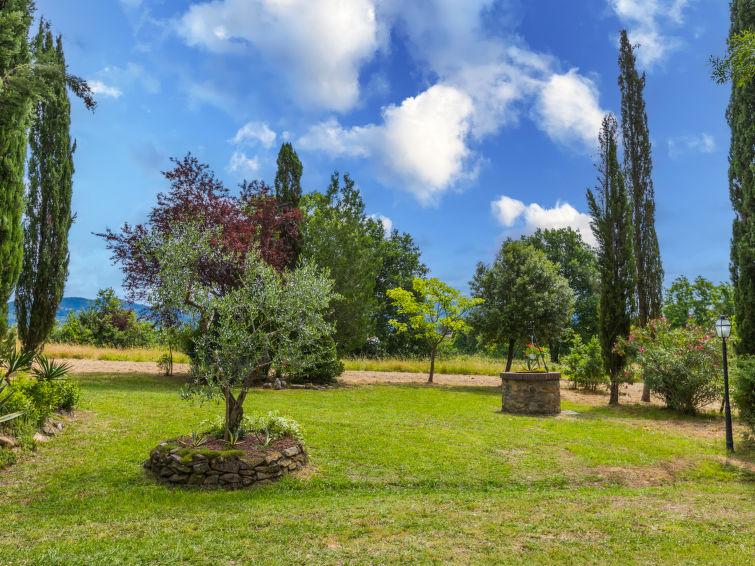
(743, 390)
(7, 457)
(683, 365)
(271, 426)
(23, 427)
(584, 364)
(324, 370)
(105, 322)
(66, 394)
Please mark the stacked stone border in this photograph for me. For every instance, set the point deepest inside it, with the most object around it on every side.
(231, 469)
(531, 393)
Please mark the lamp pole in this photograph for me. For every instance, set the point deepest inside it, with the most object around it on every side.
(723, 330)
(727, 408)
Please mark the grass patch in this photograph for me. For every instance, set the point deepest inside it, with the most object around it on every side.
(400, 474)
(460, 365)
(80, 352)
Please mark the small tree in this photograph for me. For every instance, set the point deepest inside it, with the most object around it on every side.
(521, 287)
(266, 320)
(435, 310)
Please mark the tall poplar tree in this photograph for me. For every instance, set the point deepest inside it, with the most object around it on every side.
(15, 18)
(638, 167)
(288, 188)
(741, 118)
(612, 226)
(48, 207)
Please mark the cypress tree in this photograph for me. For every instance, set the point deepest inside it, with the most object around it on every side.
(288, 188)
(48, 208)
(741, 117)
(15, 17)
(612, 227)
(638, 166)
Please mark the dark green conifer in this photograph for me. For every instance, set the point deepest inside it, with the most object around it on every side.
(741, 118)
(638, 167)
(48, 208)
(288, 188)
(612, 226)
(15, 17)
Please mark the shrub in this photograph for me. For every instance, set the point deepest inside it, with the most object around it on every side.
(7, 457)
(584, 364)
(323, 370)
(66, 394)
(743, 390)
(683, 365)
(23, 427)
(271, 426)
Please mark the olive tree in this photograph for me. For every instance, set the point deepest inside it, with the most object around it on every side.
(269, 319)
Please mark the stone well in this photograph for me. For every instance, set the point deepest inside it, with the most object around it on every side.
(531, 393)
(179, 466)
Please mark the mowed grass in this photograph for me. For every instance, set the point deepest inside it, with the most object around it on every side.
(460, 365)
(81, 352)
(399, 474)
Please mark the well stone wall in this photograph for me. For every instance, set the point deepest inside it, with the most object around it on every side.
(531, 393)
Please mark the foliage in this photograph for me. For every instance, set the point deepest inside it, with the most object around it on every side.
(584, 364)
(266, 321)
(49, 370)
(638, 167)
(67, 394)
(339, 237)
(253, 220)
(612, 227)
(324, 368)
(194, 440)
(271, 426)
(577, 263)
(288, 194)
(740, 116)
(520, 288)
(48, 215)
(105, 322)
(743, 390)
(15, 102)
(532, 356)
(683, 365)
(701, 301)
(738, 66)
(434, 311)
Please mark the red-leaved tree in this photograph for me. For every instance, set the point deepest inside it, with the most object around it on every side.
(252, 219)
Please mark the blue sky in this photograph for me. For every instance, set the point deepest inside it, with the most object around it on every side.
(462, 122)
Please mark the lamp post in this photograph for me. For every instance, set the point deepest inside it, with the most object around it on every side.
(723, 331)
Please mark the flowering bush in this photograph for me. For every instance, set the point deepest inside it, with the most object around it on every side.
(683, 365)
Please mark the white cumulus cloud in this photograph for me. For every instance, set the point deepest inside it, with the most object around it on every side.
(648, 21)
(255, 132)
(532, 216)
(240, 163)
(98, 87)
(319, 44)
(422, 141)
(568, 109)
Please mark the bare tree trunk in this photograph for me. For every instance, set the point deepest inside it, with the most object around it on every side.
(234, 412)
(432, 363)
(510, 357)
(614, 399)
(645, 393)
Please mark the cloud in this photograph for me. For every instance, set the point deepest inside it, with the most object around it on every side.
(318, 45)
(530, 217)
(647, 21)
(255, 132)
(242, 164)
(98, 87)
(703, 143)
(422, 141)
(568, 109)
(387, 223)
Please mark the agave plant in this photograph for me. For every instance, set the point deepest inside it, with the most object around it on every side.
(10, 416)
(50, 370)
(16, 361)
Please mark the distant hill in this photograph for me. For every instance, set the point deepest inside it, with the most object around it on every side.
(72, 304)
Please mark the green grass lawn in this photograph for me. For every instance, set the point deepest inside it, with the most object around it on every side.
(399, 475)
